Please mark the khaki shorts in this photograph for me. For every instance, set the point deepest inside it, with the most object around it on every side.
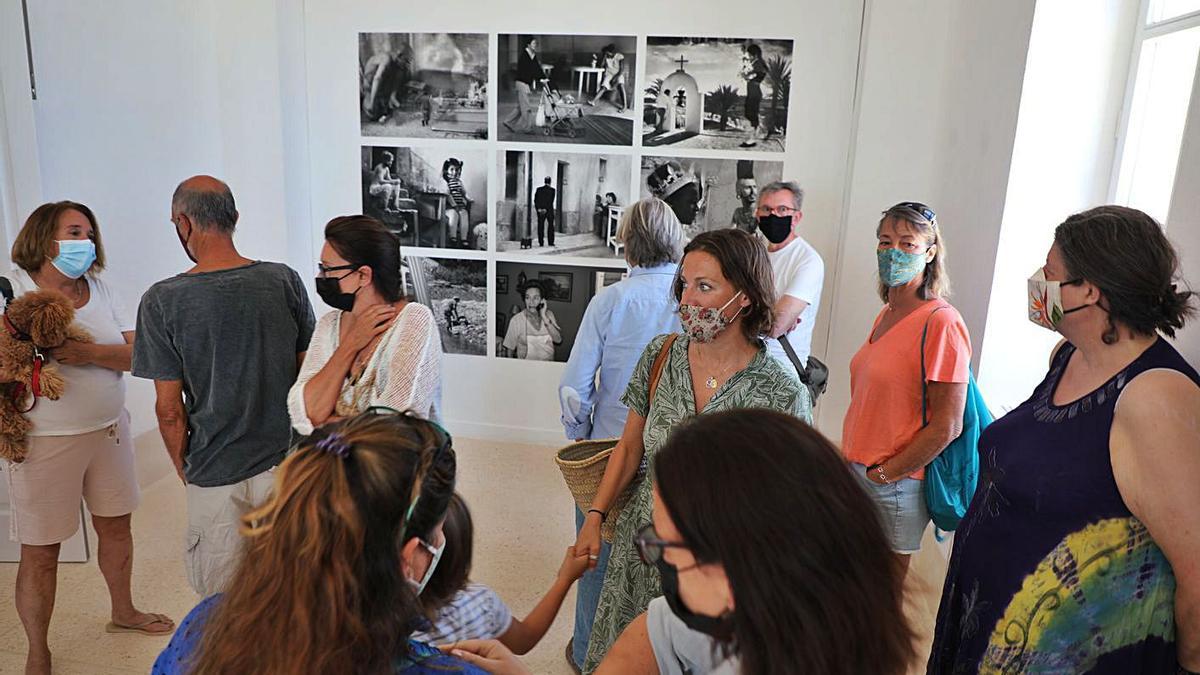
(45, 489)
(213, 543)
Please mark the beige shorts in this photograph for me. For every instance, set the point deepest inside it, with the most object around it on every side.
(213, 543)
(45, 489)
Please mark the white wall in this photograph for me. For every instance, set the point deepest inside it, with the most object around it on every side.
(1183, 223)
(135, 95)
(1062, 164)
(517, 399)
(941, 82)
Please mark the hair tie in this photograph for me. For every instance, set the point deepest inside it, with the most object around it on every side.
(334, 444)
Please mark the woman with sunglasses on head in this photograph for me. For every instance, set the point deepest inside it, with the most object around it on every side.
(725, 292)
(771, 557)
(884, 434)
(334, 560)
(1080, 552)
(376, 348)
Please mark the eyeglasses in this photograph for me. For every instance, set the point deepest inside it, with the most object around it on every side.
(925, 212)
(650, 546)
(782, 210)
(323, 271)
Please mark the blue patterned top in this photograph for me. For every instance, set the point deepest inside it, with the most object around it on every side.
(422, 659)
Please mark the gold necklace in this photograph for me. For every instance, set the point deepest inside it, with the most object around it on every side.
(712, 381)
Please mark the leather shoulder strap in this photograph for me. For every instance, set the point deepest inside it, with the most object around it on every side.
(659, 362)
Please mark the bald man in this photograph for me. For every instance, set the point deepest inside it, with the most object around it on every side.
(223, 343)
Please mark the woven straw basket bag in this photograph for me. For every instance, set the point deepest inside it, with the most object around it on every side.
(582, 465)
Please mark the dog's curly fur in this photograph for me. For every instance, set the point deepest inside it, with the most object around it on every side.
(46, 317)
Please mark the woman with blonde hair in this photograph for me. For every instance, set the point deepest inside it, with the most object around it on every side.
(916, 335)
(618, 324)
(334, 561)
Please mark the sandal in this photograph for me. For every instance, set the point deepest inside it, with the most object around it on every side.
(143, 627)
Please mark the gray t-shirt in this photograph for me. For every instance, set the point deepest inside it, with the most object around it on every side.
(679, 650)
(232, 337)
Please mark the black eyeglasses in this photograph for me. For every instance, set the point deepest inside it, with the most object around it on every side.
(650, 546)
(324, 271)
(926, 212)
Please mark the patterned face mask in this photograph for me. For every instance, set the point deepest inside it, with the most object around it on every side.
(1045, 300)
(897, 267)
(703, 324)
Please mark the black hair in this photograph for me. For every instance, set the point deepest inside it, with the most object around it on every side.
(364, 241)
(454, 569)
(1125, 253)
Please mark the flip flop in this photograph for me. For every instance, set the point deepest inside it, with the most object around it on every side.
(113, 627)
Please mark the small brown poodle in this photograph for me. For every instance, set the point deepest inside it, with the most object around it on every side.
(33, 323)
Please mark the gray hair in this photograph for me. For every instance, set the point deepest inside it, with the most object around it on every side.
(651, 233)
(780, 185)
(208, 209)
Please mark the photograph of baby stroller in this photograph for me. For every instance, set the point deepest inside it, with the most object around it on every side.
(558, 114)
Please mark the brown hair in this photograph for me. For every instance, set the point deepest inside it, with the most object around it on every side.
(1125, 253)
(31, 249)
(744, 262)
(320, 586)
(809, 586)
(936, 282)
(454, 569)
(365, 242)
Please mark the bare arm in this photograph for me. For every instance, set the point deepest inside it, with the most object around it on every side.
(787, 315)
(622, 467)
(552, 326)
(1153, 444)
(113, 357)
(525, 633)
(321, 392)
(947, 400)
(632, 654)
(172, 421)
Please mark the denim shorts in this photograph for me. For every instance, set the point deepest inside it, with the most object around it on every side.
(902, 510)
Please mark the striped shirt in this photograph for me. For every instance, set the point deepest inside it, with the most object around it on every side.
(457, 194)
(475, 613)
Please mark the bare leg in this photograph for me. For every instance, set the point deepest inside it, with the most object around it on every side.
(902, 562)
(37, 581)
(115, 555)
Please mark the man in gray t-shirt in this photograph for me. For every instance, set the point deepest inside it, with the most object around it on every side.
(223, 343)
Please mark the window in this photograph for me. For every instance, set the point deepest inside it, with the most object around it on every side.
(1162, 74)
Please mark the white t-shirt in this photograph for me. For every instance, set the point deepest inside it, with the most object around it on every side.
(94, 397)
(800, 273)
(679, 650)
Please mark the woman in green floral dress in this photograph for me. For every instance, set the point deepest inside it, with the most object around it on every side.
(725, 293)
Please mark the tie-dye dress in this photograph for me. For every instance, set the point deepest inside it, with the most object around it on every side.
(1051, 572)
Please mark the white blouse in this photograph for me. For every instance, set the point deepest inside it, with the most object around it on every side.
(404, 373)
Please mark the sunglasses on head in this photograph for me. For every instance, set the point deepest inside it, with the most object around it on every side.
(925, 212)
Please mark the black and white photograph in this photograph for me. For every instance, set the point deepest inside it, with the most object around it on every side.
(456, 291)
(423, 85)
(539, 313)
(717, 93)
(557, 203)
(566, 88)
(708, 194)
(428, 196)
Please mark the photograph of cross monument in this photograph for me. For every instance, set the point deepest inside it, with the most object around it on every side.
(717, 93)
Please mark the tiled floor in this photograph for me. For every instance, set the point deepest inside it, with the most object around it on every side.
(523, 520)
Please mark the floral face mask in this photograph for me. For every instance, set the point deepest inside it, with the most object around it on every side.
(1045, 300)
(703, 324)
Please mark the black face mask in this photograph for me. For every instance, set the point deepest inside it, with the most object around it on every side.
(775, 228)
(332, 295)
(184, 242)
(718, 627)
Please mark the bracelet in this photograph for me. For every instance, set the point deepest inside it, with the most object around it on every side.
(878, 469)
(603, 514)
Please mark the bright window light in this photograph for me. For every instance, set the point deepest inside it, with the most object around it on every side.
(1165, 10)
(1157, 113)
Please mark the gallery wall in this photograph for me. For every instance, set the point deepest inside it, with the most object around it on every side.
(265, 96)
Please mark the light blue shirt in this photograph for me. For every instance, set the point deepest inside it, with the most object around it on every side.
(618, 324)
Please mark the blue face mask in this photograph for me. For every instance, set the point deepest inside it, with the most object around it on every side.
(897, 267)
(75, 257)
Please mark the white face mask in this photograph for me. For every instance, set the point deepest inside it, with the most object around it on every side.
(1045, 300)
(419, 586)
